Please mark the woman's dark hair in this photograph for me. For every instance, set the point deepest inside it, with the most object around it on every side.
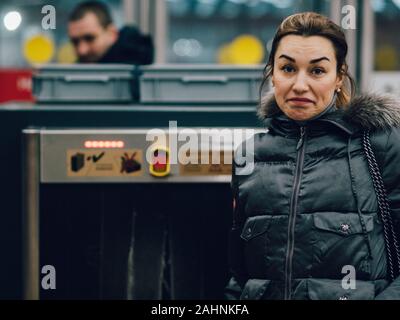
(313, 24)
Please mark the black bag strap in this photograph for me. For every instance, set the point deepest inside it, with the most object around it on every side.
(391, 241)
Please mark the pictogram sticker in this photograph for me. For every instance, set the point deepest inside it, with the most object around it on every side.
(104, 163)
(160, 165)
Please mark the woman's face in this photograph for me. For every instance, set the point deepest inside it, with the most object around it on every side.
(304, 75)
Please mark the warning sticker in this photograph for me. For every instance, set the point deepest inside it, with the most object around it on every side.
(208, 169)
(160, 166)
(104, 163)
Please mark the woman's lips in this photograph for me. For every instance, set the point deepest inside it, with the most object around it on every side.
(300, 101)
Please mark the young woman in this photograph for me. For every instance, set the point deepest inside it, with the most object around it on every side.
(306, 220)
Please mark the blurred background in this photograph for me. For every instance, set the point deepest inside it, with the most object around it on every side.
(208, 31)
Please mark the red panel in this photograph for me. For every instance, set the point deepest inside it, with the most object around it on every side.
(15, 85)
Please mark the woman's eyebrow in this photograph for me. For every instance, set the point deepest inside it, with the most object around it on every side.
(318, 60)
(311, 61)
(286, 57)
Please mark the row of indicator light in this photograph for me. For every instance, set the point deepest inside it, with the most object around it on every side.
(104, 144)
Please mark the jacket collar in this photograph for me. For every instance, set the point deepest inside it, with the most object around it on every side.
(365, 112)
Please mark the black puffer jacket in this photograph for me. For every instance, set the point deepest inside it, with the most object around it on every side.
(132, 47)
(309, 209)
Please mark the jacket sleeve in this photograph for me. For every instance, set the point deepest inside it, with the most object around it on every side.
(389, 156)
(237, 270)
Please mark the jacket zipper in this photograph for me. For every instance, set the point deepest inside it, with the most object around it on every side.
(293, 211)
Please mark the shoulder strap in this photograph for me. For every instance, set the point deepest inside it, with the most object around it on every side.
(391, 241)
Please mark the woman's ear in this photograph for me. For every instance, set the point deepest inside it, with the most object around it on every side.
(339, 79)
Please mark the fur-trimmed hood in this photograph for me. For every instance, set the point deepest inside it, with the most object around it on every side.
(367, 112)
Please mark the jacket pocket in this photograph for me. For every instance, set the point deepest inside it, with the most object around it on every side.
(339, 240)
(255, 226)
(343, 224)
(327, 289)
(254, 289)
(256, 245)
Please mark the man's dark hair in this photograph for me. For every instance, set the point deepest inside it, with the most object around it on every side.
(98, 8)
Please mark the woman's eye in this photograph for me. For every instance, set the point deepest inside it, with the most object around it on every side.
(318, 71)
(287, 68)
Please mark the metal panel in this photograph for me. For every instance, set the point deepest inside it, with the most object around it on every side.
(56, 143)
(30, 209)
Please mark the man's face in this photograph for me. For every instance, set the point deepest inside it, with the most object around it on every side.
(90, 39)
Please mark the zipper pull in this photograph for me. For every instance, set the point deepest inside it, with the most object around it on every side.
(301, 140)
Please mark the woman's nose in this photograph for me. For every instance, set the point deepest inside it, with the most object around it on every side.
(300, 83)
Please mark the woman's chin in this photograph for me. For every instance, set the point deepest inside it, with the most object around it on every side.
(298, 115)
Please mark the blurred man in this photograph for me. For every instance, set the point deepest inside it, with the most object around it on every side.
(96, 39)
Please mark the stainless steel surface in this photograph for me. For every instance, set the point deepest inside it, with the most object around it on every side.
(55, 144)
(30, 207)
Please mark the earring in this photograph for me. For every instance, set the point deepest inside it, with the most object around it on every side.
(338, 90)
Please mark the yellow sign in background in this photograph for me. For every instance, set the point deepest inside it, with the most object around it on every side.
(104, 162)
(39, 49)
(244, 49)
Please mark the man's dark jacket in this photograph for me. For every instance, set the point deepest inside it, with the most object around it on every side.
(132, 47)
(305, 221)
